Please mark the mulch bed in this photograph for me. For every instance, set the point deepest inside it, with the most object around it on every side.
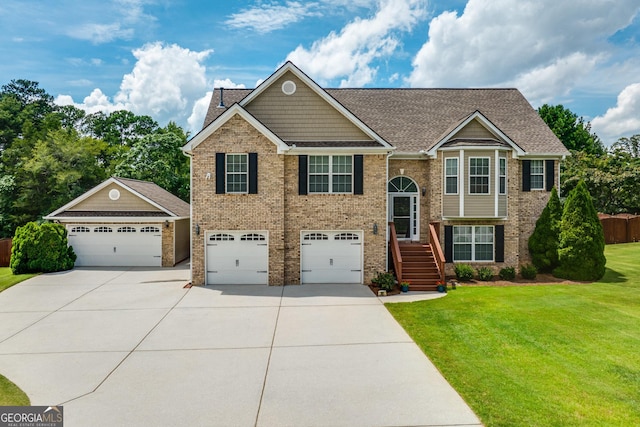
(541, 279)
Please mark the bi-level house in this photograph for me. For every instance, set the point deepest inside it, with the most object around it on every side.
(293, 183)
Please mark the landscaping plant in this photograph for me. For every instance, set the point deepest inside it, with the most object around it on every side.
(581, 244)
(384, 281)
(464, 272)
(485, 274)
(507, 273)
(543, 243)
(41, 248)
(528, 271)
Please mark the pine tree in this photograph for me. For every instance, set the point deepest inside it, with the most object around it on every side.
(543, 243)
(581, 248)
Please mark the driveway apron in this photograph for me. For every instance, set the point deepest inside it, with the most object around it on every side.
(135, 348)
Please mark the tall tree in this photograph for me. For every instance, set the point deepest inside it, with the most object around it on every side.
(581, 244)
(572, 130)
(629, 145)
(543, 243)
(159, 158)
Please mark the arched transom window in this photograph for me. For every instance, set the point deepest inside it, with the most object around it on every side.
(402, 184)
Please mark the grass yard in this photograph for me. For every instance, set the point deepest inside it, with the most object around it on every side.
(557, 355)
(10, 394)
(7, 279)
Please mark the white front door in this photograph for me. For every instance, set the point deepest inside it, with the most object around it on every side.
(331, 257)
(235, 257)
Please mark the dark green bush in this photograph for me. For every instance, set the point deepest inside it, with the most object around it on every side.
(41, 248)
(485, 274)
(544, 241)
(581, 247)
(384, 281)
(464, 272)
(507, 273)
(528, 271)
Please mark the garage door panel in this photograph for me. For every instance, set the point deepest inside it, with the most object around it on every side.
(237, 258)
(95, 246)
(331, 257)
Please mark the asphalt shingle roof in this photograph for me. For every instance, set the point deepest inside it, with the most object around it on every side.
(159, 195)
(416, 119)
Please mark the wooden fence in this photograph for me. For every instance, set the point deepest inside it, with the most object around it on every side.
(5, 252)
(621, 228)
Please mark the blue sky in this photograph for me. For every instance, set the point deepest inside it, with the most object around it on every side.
(163, 57)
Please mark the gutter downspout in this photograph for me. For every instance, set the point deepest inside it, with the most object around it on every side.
(190, 156)
(386, 246)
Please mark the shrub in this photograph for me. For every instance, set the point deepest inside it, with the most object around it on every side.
(485, 274)
(543, 243)
(528, 271)
(41, 248)
(464, 272)
(507, 273)
(581, 248)
(384, 281)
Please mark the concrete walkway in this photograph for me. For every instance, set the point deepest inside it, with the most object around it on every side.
(135, 348)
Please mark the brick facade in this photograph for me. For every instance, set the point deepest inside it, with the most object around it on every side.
(278, 208)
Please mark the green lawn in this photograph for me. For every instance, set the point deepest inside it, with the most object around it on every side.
(10, 394)
(558, 355)
(7, 279)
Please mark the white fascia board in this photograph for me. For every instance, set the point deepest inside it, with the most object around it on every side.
(338, 150)
(543, 156)
(107, 219)
(225, 117)
(486, 122)
(289, 66)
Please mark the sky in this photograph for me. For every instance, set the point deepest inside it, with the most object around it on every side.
(163, 58)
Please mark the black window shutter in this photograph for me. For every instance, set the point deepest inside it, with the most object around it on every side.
(548, 171)
(358, 174)
(499, 243)
(448, 243)
(302, 174)
(253, 173)
(526, 175)
(220, 173)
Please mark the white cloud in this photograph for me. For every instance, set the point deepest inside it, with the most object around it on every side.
(165, 82)
(538, 44)
(350, 53)
(128, 14)
(621, 120)
(200, 107)
(271, 16)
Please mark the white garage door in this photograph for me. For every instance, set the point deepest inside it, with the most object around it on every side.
(115, 245)
(238, 258)
(331, 257)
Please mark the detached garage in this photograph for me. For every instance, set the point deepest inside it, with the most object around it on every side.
(128, 223)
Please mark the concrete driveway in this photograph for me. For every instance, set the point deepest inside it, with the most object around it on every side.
(135, 348)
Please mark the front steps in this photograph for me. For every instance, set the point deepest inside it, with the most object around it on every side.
(419, 267)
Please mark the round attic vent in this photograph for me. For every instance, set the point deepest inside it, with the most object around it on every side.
(114, 194)
(288, 87)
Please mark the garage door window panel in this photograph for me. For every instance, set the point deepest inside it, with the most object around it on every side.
(103, 230)
(80, 229)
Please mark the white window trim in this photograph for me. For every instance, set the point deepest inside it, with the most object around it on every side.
(488, 193)
(531, 174)
(227, 173)
(473, 244)
(330, 173)
(456, 176)
(501, 175)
